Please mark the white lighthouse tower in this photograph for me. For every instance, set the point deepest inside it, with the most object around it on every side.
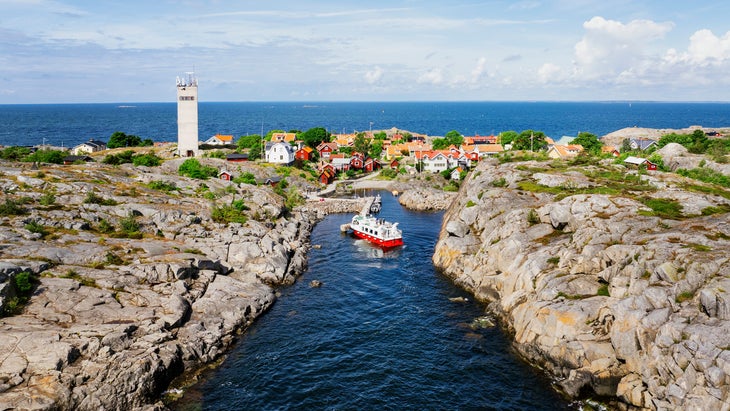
(187, 116)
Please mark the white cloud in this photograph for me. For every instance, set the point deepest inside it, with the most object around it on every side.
(433, 76)
(550, 73)
(480, 70)
(374, 75)
(610, 46)
(706, 48)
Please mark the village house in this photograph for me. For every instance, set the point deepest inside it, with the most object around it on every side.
(77, 159)
(610, 150)
(638, 161)
(304, 154)
(436, 161)
(641, 144)
(283, 137)
(371, 165)
(559, 151)
(357, 161)
(219, 140)
(327, 174)
(340, 161)
(326, 149)
(225, 175)
(236, 157)
(91, 146)
(279, 152)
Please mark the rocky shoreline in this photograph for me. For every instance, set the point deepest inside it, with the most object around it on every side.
(600, 284)
(113, 317)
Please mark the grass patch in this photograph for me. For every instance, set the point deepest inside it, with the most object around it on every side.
(661, 207)
(470, 203)
(699, 247)
(93, 198)
(162, 186)
(553, 260)
(500, 182)
(603, 290)
(230, 213)
(532, 217)
(85, 281)
(36, 228)
(685, 296)
(547, 239)
(12, 207)
(722, 209)
(714, 190)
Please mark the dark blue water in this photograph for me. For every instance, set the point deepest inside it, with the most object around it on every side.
(70, 124)
(381, 333)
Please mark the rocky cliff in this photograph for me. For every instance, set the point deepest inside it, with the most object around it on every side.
(115, 280)
(614, 283)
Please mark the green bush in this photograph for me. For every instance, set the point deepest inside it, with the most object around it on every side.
(48, 198)
(603, 290)
(388, 173)
(12, 207)
(114, 259)
(148, 160)
(93, 198)
(707, 175)
(193, 169)
(130, 226)
(24, 282)
(37, 228)
(162, 185)
(532, 217)
(230, 213)
(105, 227)
(47, 156)
(501, 182)
(245, 178)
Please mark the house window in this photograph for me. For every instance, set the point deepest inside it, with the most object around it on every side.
(187, 98)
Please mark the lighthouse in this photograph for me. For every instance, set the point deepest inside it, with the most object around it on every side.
(187, 115)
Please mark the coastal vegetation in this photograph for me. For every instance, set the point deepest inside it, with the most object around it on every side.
(121, 139)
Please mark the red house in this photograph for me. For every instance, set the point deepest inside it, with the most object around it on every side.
(325, 149)
(225, 175)
(304, 154)
(356, 161)
(394, 164)
(327, 175)
(237, 157)
(371, 165)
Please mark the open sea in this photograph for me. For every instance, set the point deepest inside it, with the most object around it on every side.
(66, 125)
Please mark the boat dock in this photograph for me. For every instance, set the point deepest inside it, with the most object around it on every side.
(367, 208)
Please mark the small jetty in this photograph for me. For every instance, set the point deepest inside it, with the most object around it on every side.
(366, 210)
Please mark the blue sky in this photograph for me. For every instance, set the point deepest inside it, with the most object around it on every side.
(55, 51)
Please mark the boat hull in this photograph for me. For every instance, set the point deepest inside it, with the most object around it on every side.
(390, 243)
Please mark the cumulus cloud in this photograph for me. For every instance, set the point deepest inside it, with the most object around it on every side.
(374, 75)
(610, 46)
(480, 70)
(705, 48)
(549, 73)
(433, 76)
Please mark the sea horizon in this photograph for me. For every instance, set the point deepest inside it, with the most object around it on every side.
(69, 124)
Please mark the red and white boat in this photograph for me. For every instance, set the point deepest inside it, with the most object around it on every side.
(377, 231)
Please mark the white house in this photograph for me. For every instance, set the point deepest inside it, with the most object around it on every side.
(90, 146)
(437, 161)
(219, 140)
(279, 153)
